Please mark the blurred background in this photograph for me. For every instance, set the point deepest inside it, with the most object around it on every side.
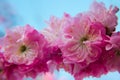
(35, 12)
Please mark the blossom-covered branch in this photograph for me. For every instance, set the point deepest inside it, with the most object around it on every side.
(84, 45)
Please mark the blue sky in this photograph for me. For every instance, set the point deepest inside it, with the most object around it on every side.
(35, 12)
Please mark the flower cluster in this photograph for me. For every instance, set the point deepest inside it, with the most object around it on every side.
(84, 45)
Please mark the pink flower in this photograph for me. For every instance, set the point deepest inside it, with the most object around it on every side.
(108, 18)
(38, 67)
(114, 41)
(9, 71)
(22, 45)
(55, 28)
(95, 69)
(113, 49)
(12, 73)
(83, 39)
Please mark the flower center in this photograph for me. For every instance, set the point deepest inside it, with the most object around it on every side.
(118, 53)
(23, 48)
(83, 39)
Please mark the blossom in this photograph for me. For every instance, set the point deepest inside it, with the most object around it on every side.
(38, 67)
(53, 33)
(83, 39)
(12, 73)
(6, 69)
(84, 45)
(22, 45)
(95, 69)
(113, 50)
(108, 18)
